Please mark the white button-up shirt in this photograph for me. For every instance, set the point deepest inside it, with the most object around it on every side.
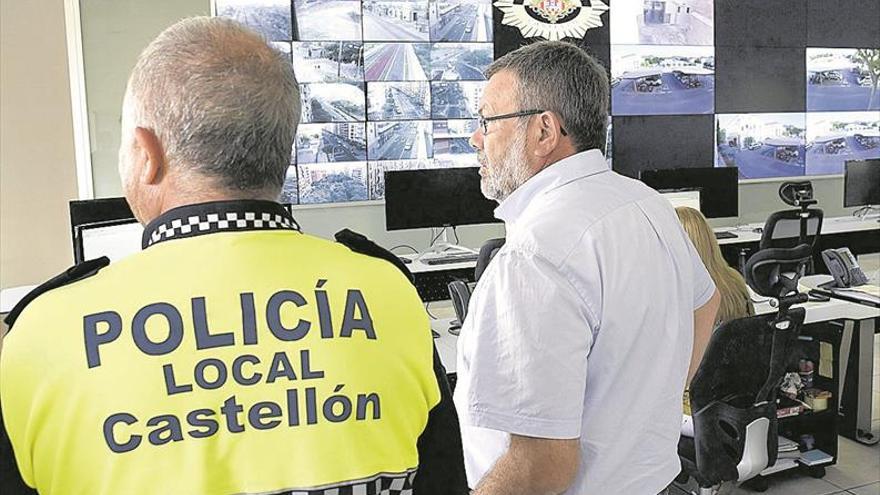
(582, 327)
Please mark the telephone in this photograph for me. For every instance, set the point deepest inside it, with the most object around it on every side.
(844, 267)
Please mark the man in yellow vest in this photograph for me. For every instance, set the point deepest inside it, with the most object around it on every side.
(234, 354)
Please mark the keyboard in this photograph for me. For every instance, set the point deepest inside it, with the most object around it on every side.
(725, 235)
(446, 260)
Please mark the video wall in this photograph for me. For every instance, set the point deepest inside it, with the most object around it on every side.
(385, 85)
(395, 84)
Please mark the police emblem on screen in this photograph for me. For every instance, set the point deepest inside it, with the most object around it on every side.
(552, 19)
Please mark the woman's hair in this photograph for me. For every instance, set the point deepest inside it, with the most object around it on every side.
(735, 299)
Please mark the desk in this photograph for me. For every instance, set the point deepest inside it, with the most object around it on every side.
(836, 232)
(859, 323)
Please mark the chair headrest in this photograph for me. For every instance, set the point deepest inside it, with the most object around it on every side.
(798, 193)
(775, 272)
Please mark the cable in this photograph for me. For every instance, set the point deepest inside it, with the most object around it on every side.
(434, 239)
(404, 246)
(455, 233)
(428, 310)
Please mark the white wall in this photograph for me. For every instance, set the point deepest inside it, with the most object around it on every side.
(37, 167)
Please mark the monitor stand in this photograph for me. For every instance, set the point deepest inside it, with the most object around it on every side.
(867, 212)
(443, 248)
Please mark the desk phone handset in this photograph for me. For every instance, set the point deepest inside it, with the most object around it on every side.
(844, 267)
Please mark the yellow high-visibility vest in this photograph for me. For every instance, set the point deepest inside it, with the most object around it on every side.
(236, 362)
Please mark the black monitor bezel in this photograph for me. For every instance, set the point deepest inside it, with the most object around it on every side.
(873, 162)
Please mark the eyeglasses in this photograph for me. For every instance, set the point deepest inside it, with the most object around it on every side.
(484, 121)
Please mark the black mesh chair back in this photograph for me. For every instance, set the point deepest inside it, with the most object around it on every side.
(789, 228)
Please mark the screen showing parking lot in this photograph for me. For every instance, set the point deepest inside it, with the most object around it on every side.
(385, 85)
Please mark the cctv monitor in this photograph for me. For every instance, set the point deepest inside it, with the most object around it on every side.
(718, 186)
(861, 183)
(435, 198)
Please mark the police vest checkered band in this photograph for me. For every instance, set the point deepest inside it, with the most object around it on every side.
(384, 484)
(208, 218)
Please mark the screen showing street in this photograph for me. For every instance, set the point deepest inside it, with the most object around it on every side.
(658, 80)
(835, 137)
(384, 85)
(840, 79)
(761, 144)
(663, 22)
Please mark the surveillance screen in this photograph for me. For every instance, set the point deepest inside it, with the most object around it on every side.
(382, 84)
(456, 99)
(328, 61)
(663, 22)
(323, 143)
(332, 182)
(405, 140)
(398, 100)
(451, 143)
(290, 189)
(460, 61)
(332, 102)
(662, 80)
(271, 18)
(840, 79)
(461, 20)
(397, 61)
(835, 137)
(395, 20)
(377, 173)
(327, 20)
(761, 145)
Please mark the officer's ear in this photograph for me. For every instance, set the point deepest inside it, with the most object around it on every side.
(154, 168)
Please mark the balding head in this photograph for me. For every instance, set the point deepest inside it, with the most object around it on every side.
(223, 107)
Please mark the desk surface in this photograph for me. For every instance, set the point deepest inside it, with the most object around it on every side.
(835, 309)
(833, 225)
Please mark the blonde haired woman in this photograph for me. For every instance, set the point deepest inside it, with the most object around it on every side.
(735, 299)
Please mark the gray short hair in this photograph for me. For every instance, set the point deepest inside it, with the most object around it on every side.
(562, 78)
(222, 102)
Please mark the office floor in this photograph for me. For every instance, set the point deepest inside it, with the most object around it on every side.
(857, 470)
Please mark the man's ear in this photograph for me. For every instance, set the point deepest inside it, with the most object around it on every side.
(154, 168)
(549, 134)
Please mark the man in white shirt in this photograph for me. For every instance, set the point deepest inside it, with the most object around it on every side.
(586, 325)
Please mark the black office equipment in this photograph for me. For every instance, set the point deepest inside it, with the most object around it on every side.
(733, 393)
(435, 198)
(95, 211)
(861, 183)
(718, 186)
(725, 235)
(844, 268)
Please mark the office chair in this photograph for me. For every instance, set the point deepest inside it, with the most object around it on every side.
(790, 228)
(460, 290)
(733, 393)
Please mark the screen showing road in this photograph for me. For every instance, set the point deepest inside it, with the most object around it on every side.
(385, 85)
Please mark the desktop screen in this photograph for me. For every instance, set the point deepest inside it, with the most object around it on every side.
(435, 198)
(115, 239)
(719, 187)
(861, 183)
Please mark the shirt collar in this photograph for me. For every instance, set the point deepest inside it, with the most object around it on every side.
(555, 175)
(217, 216)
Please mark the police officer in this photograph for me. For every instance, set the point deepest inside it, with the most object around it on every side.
(234, 354)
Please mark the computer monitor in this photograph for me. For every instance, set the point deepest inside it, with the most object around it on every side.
(861, 183)
(718, 186)
(689, 198)
(435, 198)
(115, 239)
(91, 211)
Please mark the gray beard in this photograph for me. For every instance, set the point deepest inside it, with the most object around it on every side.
(513, 172)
